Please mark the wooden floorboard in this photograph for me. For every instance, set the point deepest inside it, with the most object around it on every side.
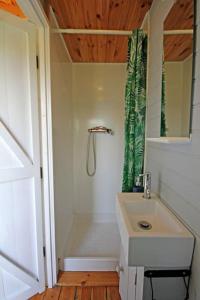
(38, 297)
(88, 279)
(85, 293)
(53, 294)
(82, 289)
(113, 293)
(67, 293)
(99, 293)
(79, 293)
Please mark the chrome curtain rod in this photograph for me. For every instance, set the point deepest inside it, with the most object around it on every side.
(115, 32)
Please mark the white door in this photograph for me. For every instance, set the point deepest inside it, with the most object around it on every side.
(21, 245)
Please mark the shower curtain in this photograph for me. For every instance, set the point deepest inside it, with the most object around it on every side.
(135, 108)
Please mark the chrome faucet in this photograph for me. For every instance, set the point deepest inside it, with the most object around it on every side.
(147, 184)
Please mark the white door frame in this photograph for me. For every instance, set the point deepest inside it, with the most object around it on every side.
(33, 9)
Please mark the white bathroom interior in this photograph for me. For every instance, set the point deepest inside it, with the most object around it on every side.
(88, 93)
(92, 95)
(93, 225)
(87, 204)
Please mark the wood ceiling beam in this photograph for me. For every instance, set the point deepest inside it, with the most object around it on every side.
(93, 31)
(114, 32)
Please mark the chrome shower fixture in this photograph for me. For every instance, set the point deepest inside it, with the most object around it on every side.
(100, 129)
(92, 144)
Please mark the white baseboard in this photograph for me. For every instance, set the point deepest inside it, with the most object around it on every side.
(90, 264)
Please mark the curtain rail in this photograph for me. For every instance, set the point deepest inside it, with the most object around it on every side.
(114, 32)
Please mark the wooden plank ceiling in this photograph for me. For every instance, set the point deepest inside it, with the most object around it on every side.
(99, 14)
(118, 15)
(181, 16)
(177, 47)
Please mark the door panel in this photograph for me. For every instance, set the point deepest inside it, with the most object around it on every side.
(14, 98)
(18, 204)
(132, 273)
(21, 244)
(123, 277)
(8, 159)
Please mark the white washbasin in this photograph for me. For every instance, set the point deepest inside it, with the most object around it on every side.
(165, 243)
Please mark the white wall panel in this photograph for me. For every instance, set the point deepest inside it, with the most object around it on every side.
(61, 73)
(98, 98)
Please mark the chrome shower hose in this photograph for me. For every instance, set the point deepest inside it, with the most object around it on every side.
(91, 144)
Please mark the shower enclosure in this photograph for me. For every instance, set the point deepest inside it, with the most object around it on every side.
(86, 96)
(93, 242)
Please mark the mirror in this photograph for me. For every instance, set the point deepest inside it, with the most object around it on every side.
(177, 70)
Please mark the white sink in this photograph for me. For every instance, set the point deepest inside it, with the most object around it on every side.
(165, 243)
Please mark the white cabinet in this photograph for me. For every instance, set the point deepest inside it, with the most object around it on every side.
(131, 280)
(123, 277)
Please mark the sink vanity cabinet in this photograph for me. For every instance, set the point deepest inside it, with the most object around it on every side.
(151, 237)
(130, 280)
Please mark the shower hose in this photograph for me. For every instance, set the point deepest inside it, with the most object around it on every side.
(91, 144)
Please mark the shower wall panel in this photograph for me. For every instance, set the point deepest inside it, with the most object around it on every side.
(62, 113)
(98, 99)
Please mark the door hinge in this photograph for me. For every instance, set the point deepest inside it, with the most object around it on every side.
(41, 172)
(37, 61)
(44, 251)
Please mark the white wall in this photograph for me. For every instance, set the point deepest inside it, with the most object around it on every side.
(98, 97)
(175, 168)
(174, 98)
(62, 111)
(187, 83)
(178, 77)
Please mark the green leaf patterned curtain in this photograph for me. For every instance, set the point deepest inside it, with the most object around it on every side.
(135, 109)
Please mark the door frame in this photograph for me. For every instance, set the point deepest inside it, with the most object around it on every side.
(35, 13)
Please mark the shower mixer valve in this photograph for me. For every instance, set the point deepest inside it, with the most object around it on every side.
(100, 129)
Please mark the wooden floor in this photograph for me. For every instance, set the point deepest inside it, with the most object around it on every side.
(88, 279)
(83, 286)
(79, 293)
